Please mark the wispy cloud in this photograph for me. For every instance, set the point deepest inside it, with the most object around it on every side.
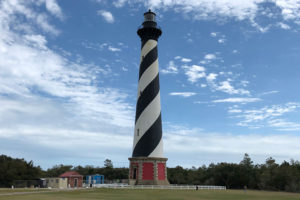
(234, 111)
(113, 49)
(211, 77)
(47, 97)
(269, 92)
(226, 87)
(194, 72)
(226, 9)
(283, 26)
(183, 94)
(202, 142)
(210, 56)
(171, 68)
(53, 8)
(119, 3)
(269, 115)
(186, 60)
(213, 34)
(283, 125)
(107, 16)
(237, 100)
(222, 40)
(9, 8)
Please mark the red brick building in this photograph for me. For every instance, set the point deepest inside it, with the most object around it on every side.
(148, 171)
(74, 178)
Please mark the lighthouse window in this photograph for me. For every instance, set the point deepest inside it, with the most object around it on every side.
(138, 132)
(149, 17)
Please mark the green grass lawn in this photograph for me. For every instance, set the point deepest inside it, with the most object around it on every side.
(129, 194)
(15, 190)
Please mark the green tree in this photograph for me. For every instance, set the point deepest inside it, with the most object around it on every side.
(12, 169)
(108, 164)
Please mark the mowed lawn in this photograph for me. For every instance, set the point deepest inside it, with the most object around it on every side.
(129, 194)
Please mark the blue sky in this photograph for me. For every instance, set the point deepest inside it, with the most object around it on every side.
(229, 76)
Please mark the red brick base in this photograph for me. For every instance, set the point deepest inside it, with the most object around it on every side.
(148, 171)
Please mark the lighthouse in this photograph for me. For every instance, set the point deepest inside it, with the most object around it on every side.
(147, 164)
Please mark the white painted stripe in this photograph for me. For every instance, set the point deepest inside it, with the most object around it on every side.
(147, 118)
(158, 151)
(147, 77)
(150, 44)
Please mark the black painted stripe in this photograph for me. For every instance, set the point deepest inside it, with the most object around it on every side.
(149, 93)
(148, 60)
(149, 140)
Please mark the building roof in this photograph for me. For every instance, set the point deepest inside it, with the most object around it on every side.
(70, 174)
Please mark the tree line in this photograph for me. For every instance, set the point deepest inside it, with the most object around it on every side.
(267, 176)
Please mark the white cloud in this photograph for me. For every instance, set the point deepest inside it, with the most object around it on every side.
(42, 21)
(119, 3)
(53, 7)
(103, 45)
(283, 26)
(260, 28)
(269, 92)
(234, 111)
(171, 69)
(289, 8)
(211, 77)
(209, 145)
(207, 9)
(244, 83)
(10, 8)
(210, 57)
(194, 72)
(108, 17)
(177, 57)
(183, 94)
(266, 114)
(215, 9)
(113, 49)
(237, 100)
(226, 87)
(186, 60)
(284, 125)
(213, 34)
(221, 40)
(48, 99)
(38, 41)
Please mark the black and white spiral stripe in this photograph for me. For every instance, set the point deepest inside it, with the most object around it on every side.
(148, 128)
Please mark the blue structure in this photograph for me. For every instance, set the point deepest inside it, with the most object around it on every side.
(95, 179)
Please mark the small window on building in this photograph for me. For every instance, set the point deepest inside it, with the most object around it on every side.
(138, 132)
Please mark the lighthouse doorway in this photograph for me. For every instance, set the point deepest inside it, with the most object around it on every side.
(134, 173)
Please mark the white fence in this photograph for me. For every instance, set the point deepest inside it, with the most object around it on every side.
(169, 187)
